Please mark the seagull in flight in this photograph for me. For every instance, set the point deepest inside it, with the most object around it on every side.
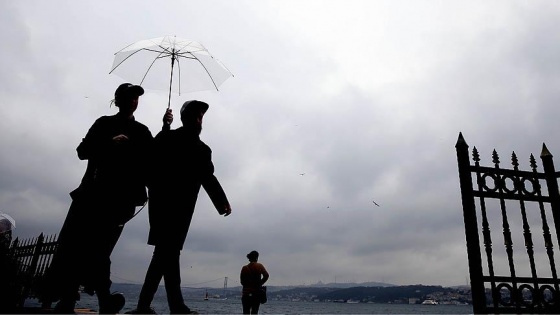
(301, 174)
(375, 203)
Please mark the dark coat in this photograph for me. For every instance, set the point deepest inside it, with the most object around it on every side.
(113, 184)
(117, 172)
(115, 179)
(173, 193)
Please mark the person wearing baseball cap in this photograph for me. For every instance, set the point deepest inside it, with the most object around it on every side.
(173, 198)
(113, 185)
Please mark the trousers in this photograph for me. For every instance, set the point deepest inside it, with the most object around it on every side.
(164, 264)
(85, 244)
(250, 303)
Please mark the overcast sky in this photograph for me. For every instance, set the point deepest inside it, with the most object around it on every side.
(367, 98)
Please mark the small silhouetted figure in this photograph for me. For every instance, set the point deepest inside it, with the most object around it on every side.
(8, 270)
(253, 277)
(173, 196)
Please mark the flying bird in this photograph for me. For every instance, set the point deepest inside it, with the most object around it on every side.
(375, 203)
(301, 174)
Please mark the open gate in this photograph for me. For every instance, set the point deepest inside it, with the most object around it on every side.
(511, 219)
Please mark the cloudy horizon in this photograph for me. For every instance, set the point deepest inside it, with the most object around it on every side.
(366, 99)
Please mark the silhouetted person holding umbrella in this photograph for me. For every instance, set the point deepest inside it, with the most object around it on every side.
(173, 196)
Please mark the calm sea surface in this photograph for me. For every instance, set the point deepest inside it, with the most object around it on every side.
(233, 306)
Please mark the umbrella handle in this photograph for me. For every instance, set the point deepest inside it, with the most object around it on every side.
(171, 79)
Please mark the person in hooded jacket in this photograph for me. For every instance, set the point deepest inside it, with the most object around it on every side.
(172, 200)
(113, 185)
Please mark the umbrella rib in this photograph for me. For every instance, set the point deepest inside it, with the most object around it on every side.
(120, 63)
(179, 76)
(133, 55)
(188, 55)
(150, 67)
(165, 51)
(207, 72)
(148, 40)
(124, 48)
(222, 64)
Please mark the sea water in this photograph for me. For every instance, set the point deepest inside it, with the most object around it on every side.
(230, 306)
(233, 306)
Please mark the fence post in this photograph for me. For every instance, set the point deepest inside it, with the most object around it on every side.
(471, 226)
(552, 184)
(30, 272)
(15, 244)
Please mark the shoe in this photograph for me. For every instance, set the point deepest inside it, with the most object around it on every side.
(65, 307)
(182, 309)
(148, 310)
(112, 303)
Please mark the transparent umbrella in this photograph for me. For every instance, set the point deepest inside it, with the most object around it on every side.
(7, 223)
(188, 65)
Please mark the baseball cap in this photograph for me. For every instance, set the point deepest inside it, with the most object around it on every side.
(193, 106)
(126, 90)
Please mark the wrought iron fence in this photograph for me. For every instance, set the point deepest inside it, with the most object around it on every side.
(30, 259)
(512, 207)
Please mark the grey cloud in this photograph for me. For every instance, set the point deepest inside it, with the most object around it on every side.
(291, 108)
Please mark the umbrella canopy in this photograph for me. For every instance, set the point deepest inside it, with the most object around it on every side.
(186, 64)
(7, 223)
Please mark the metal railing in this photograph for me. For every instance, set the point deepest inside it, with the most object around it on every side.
(30, 259)
(513, 208)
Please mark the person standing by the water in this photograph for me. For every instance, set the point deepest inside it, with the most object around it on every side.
(173, 197)
(113, 185)
(253, 277)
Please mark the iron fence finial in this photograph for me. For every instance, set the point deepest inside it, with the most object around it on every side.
(461, 143)
(545, 151)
